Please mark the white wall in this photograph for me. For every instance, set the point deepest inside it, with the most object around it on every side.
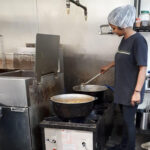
(20, 20)
(74, 30)
(17, 23)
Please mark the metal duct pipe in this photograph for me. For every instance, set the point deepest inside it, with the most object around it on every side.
(137, 4)
(1, 112)
(78, 4)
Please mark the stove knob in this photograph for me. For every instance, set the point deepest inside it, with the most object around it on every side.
(48, 140)
(53, 141)
(83, 144)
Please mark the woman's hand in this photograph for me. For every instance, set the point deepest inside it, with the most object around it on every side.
(104, 69)
(136, 97)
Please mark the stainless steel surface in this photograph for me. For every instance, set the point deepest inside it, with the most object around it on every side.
(60, 60)
(145, 121)
(36, 102)
(47, 53)
(92, 79)
(72, 98)
(14, 91)
(21, 90)
(89, 88)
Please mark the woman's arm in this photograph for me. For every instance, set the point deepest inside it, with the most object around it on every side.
(136, 97)
(106, 68)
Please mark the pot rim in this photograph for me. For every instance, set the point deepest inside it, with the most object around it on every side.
(53, 98)
(75, 88)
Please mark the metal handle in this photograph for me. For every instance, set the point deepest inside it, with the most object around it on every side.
(105, 29)
(18, 109)
(92, 79)
(110, 87)
(147, 106)
(1, 112)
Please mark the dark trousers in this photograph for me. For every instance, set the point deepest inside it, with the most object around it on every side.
(129, 130)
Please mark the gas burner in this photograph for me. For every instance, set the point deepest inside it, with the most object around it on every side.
(73, 120)
(99, 109)
(91, 119)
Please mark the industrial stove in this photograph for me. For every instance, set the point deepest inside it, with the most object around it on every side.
(24, 96)
(90, 133)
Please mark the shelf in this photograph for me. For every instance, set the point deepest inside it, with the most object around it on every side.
(146, 132)
(137, 4)
(142, 29)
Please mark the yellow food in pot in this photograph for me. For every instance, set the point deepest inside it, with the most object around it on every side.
(73, 101)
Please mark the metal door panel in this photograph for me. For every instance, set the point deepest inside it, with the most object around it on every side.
(14, 129)
(46, 54)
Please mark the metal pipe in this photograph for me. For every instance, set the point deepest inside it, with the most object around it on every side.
(97, 75)
(68, 6)
(137, 4)
(139, 7)
(78, 4)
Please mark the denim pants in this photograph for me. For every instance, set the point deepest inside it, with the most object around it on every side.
(129, 130)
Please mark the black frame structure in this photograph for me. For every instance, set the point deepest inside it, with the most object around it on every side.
(137, 4)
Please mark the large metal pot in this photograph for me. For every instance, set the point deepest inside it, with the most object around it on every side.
(92, 90)
(69, 106)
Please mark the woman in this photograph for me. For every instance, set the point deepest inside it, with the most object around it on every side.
(130, 70)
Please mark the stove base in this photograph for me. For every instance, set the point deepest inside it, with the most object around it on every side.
(92, 133)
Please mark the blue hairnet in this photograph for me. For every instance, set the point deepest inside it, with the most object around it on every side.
(123, 16)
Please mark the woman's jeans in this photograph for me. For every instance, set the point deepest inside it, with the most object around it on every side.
(129, 130)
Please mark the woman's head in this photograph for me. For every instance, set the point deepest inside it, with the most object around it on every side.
(117, 30)
(122, 17)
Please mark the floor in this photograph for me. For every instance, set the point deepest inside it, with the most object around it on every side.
(140, 139)
(115, 138)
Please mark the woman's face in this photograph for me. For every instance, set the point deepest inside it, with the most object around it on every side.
(117, 30)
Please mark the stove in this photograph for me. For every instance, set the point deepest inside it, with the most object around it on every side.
(90, 133)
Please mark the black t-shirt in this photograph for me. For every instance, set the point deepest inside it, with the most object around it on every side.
(132, 53)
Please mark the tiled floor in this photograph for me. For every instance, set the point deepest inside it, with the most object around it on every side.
(141, 136)
(140, 139)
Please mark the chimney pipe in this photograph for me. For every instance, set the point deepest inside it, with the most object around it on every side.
(77, 3)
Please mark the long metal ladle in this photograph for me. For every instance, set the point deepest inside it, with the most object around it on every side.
(97, 75)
